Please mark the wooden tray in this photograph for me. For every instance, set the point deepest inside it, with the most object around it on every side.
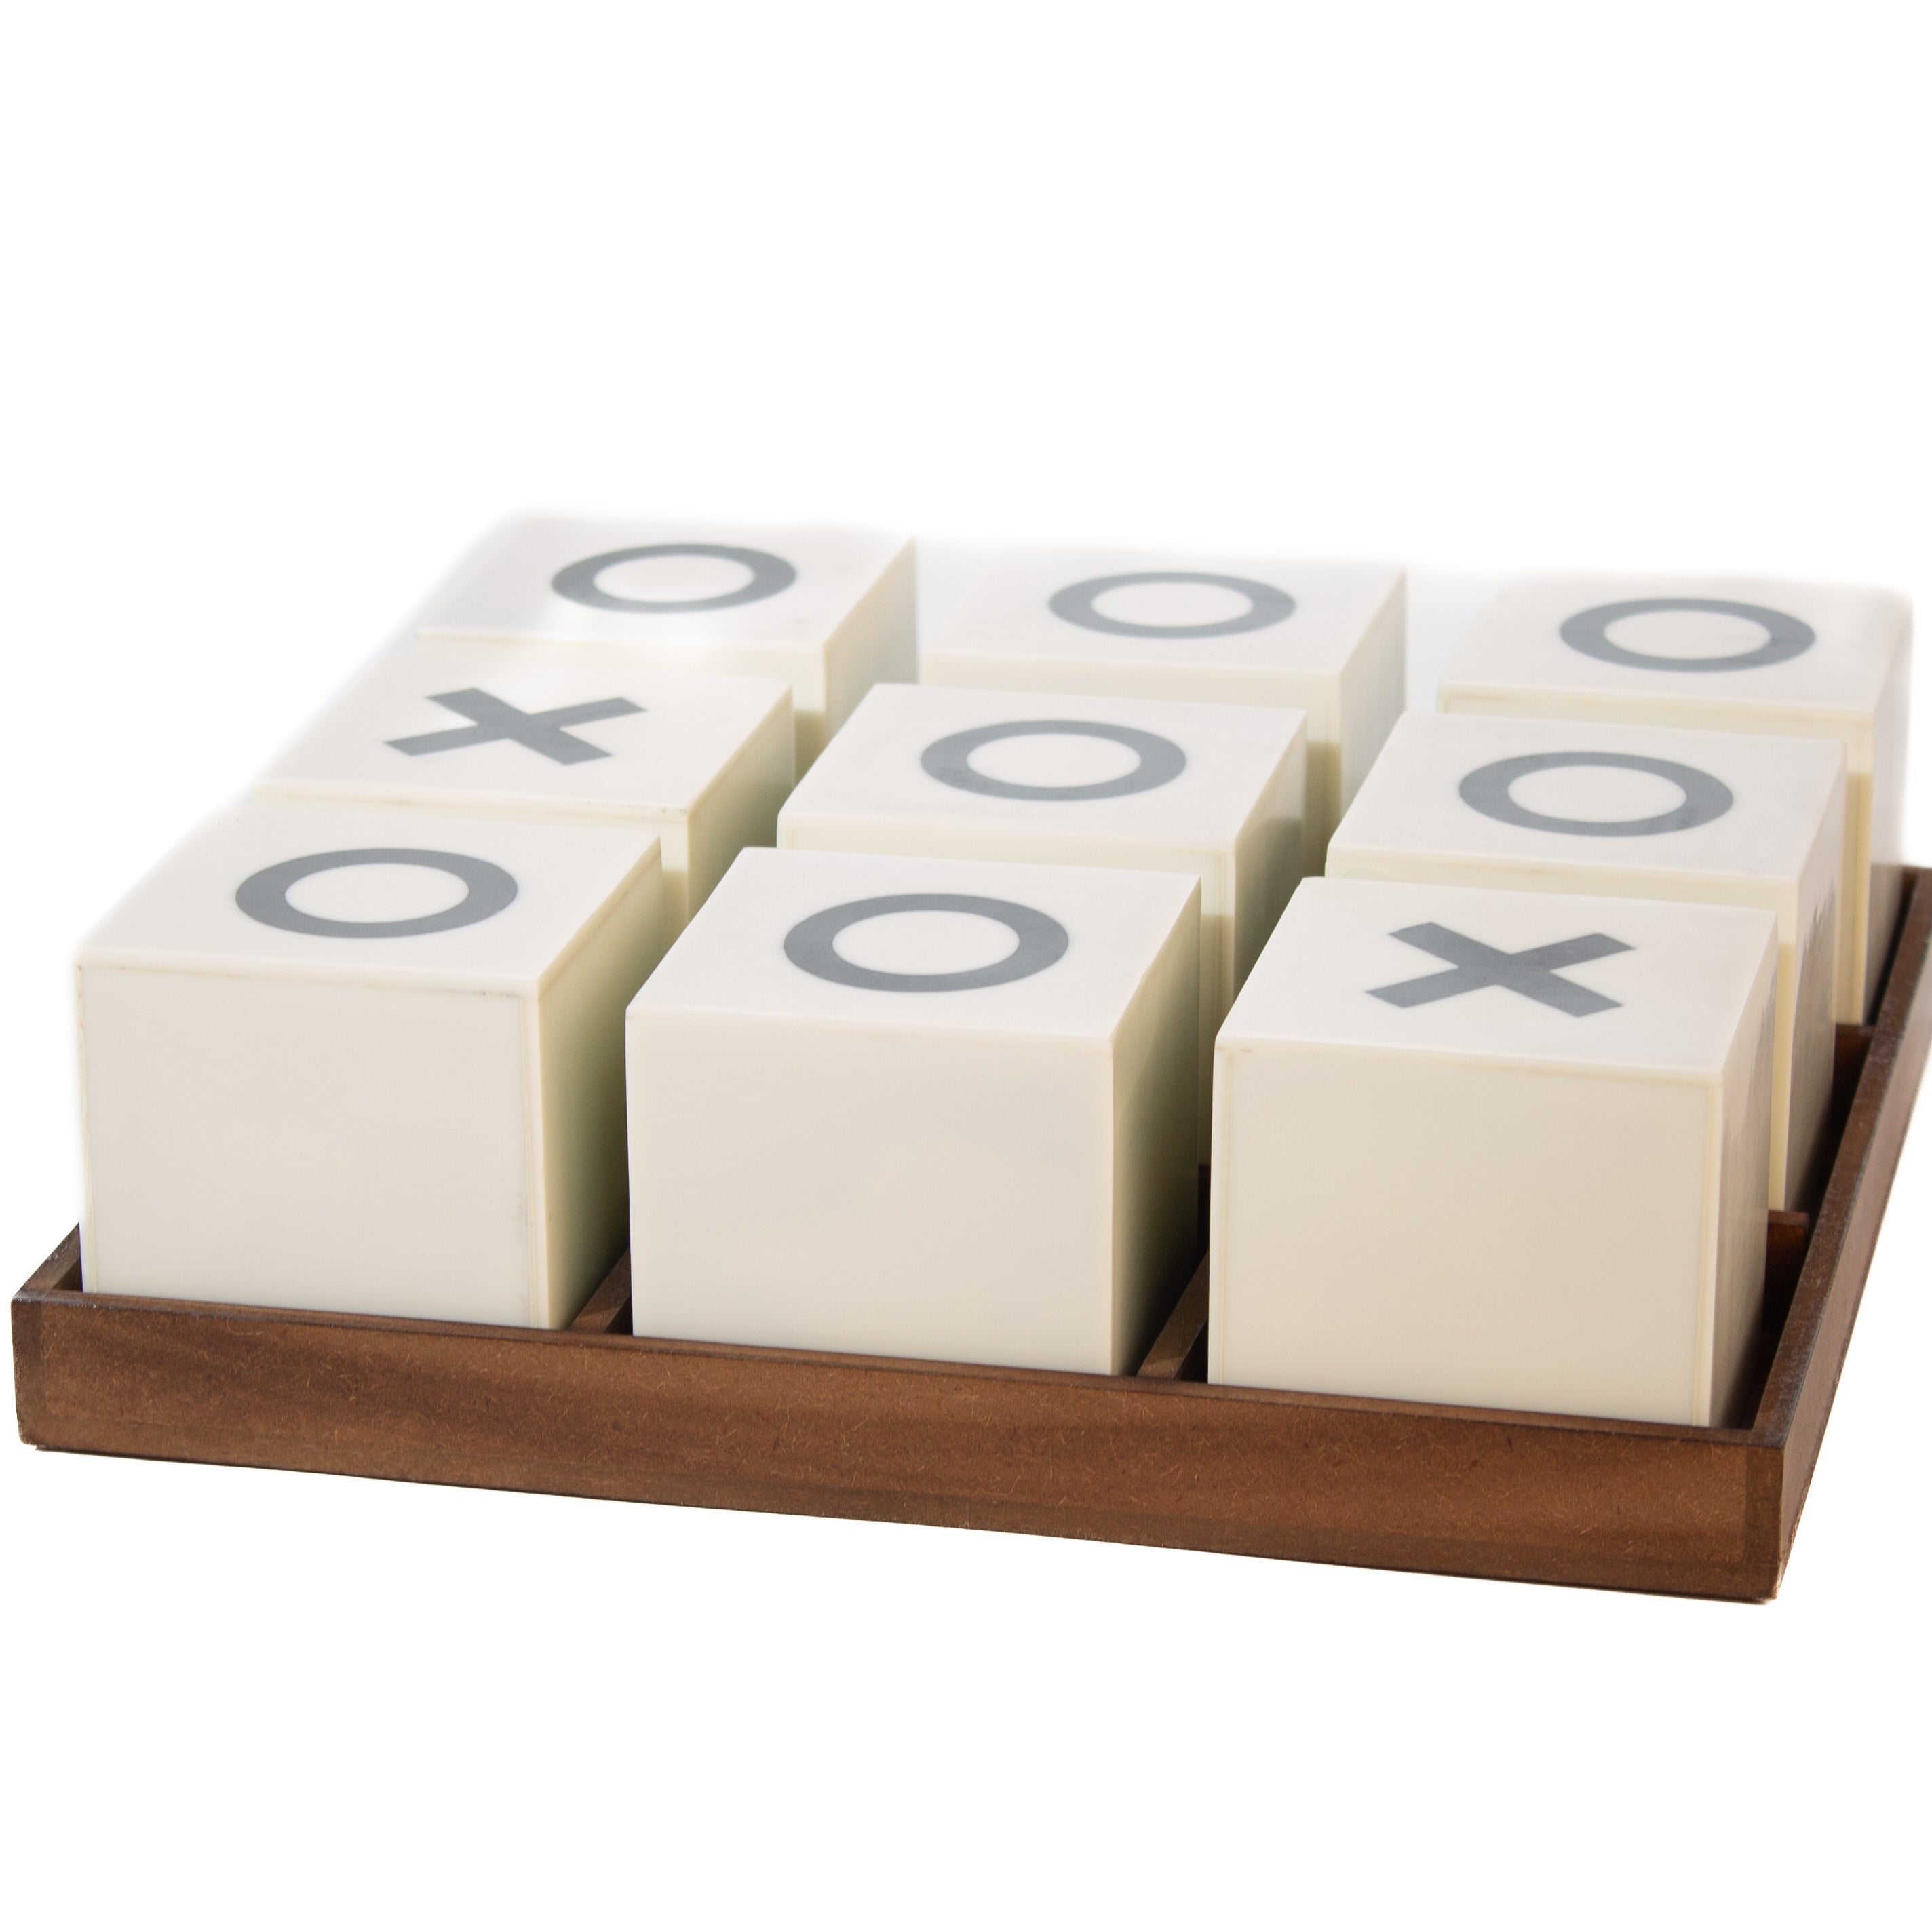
(1157, 1458)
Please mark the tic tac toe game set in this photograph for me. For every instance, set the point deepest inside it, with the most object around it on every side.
(669, 1032)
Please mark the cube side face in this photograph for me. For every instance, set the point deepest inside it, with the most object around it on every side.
(802, 667)
(937, 1195)
(1812, 1031)
(1886, 816)
(1859, 965)
(1324, 802)
(876, 644)
(1157, 1147)
(1270, 860)
(1440, 1230)
(741, 809)
(1214, 980)
(1805, 1040)
(580, 1054)
(1737, 1267)
(987, 669)
(1374, 691)
(361, 1149)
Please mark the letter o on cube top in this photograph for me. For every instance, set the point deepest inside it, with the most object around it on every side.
(1828, 661)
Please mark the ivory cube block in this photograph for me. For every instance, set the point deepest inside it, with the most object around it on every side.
(832, 612)
(1544, 805)
(587, 738)
(366, 1061)
(1500, 1148)
(1326, 639)
(927, 1107)
(1216, 790)
(1724, 654)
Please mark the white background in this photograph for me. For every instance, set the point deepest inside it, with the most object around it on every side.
(296, 301)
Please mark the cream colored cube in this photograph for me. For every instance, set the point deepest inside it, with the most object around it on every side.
(1216, 790)
(1544, 805)
(1326, 639)
(925, 1107)
(589, 738)
(1505, 1149)
(832, 612)
(366, 1061)
(1724, 654)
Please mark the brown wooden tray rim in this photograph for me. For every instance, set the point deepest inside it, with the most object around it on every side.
(1162, 1457)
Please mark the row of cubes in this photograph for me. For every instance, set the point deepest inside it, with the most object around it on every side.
(490, 972)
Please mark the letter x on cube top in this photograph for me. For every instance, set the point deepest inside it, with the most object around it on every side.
(831, 612)
(928, 1107)
(1506, 1149)
(1325, 639)
(368, 1061)
(1724, 654)
(588, 737)
(1214, 789)
(1547, 804)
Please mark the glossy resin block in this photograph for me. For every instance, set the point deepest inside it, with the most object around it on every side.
(1506, 1149)
(1724, 654)
(1545, 805)
(831, 612)
(922, 1107)
(586, 738)
(366, 1061)
(1216, 791)
(1325, 639)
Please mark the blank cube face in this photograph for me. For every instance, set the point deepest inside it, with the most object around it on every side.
(1216, 790)
(595, 737)
(1326, 639)
(1785, 660)
(1548, 806)
(831, 612)
(1506, 1149)
(921, 1107)
(366, 1061)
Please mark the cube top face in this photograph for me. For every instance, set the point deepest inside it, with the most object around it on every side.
(1710, 644)
(553, 580)
(1162, 609)
(1639, 986)
(491, 728)
(1138, 770)
(950, 945)
(1582, 796)
(374, 897)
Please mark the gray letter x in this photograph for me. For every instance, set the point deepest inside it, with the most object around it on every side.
(541, 731)
(1532, 974)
